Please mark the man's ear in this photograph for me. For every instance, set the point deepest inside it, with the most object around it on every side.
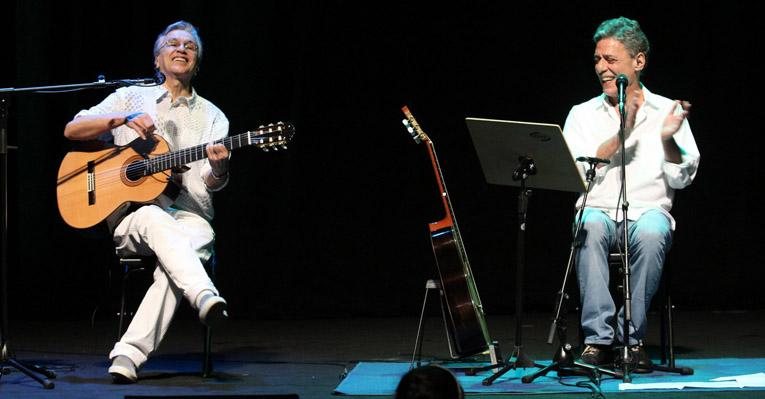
(638, 62)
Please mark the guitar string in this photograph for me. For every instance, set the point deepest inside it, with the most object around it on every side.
(113, 176)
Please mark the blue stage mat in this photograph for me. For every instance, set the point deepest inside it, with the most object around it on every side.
(381, 378)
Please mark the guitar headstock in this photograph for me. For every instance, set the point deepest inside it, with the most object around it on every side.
(413, 127)
(274, 136)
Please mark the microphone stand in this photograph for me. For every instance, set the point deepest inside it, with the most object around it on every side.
(626, 358)
(7, 360)
(563, 359)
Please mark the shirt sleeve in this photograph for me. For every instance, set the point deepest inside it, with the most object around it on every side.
(681, 175)
(114, 102)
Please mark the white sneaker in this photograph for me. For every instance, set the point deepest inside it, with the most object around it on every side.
(212, 310)
(123, 370)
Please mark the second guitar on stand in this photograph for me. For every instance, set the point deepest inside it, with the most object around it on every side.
(463, 313)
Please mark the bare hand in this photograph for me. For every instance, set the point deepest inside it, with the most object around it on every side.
(634, 102)
(141, 123)
(217, 154)
(673, 121)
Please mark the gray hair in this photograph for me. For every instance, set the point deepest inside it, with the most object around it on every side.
(625, 30)
(180, 25)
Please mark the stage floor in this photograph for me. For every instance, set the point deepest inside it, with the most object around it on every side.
(309, 358)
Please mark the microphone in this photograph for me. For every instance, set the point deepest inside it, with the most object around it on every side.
(621, 85)
(156, 80)
(593, 160)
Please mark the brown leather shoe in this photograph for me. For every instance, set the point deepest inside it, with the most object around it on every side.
(597, 355)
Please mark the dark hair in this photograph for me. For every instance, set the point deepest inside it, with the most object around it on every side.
(625, 30)
(429, 382)
(180, 25)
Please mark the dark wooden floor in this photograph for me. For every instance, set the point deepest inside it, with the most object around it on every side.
(308, 357)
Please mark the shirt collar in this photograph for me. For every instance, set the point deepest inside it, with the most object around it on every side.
(190, 101)
(650, 99)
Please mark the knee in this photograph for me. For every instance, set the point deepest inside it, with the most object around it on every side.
(594, 234)
(653, 238)
(149, 214)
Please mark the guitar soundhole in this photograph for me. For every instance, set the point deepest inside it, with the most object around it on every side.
(133, 171)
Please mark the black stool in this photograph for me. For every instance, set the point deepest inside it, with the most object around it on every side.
(130, 265)
(666, 332)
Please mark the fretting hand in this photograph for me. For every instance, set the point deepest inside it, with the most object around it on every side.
(217, 154)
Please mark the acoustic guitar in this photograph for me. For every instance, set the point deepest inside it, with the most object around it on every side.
(466, 324)
(92, 185)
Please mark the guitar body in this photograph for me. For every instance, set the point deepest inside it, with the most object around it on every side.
(467, 327)
(92, 185)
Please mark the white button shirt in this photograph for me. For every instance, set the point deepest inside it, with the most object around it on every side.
(651, 181)
(184, 123)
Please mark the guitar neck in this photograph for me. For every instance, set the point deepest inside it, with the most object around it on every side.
(173, 159)
(445, 201)
(272, 137)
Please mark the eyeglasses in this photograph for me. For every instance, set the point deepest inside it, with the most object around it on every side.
(176, 44)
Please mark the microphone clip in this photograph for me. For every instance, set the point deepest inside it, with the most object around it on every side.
(590, 173)
(593, 160)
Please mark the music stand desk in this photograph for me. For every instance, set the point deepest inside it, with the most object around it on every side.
(500, 144)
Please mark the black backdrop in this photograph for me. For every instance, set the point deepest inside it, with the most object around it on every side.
(336, 226)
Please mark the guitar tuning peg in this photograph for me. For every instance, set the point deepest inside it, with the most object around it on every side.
(261, 127)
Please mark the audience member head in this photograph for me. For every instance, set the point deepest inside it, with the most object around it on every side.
(429, 382)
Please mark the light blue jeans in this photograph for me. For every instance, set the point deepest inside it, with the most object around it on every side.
(650, 238)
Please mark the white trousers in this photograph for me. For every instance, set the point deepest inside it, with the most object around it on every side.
(181, 241)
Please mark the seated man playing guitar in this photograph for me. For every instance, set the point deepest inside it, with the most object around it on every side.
(176, 230)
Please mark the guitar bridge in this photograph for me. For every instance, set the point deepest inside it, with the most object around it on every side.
(91, 183)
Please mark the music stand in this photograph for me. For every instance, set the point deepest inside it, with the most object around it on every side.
(510, 152)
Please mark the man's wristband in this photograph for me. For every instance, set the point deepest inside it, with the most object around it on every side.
(132, 116)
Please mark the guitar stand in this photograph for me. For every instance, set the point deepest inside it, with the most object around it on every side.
(417, 353)
(494, 351)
